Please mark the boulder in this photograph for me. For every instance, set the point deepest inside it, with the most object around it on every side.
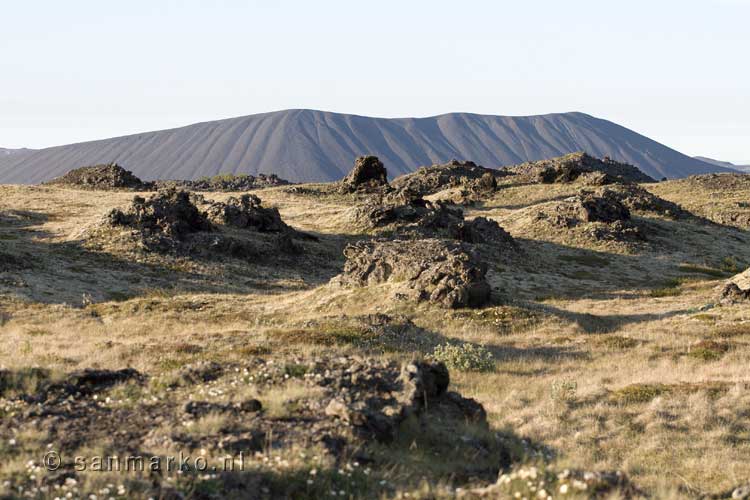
(604, 207)
(368, 173)
(442, 272)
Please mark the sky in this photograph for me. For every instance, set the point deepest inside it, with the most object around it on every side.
(77, 70)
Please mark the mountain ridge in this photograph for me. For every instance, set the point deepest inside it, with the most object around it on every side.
(305, 145)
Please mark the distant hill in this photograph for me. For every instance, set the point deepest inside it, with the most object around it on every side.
(306, 145)
(726, 164)
(6, 153)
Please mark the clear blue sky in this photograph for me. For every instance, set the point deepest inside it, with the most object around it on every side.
(676, 71)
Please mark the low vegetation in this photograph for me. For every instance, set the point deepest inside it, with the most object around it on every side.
(578, 349)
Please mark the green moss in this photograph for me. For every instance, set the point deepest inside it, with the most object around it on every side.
(639, 393)
(618, 342)
(709, 350)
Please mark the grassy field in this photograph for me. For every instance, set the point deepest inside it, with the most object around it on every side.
(604, 356)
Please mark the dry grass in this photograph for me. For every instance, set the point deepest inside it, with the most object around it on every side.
(594, 358)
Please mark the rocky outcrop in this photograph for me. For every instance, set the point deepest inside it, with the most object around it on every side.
(163, 220)
(170, 222)
(368, 174)
(225, 183)
(637, 199)
(102, 177)
(466, 175)
(598, 217)
(409, 216)
(586, 207)
(243, 212)
(736, 289)
(441, 272)
(579, 167)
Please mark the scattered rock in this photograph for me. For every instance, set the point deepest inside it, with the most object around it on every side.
(368, 173)
(225, 183)
(103, 177)
(579, 167)
(197, 373)
(438, 271)
(198, 409)
(85, 382)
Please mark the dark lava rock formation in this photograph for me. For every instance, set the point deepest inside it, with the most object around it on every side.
(368, 174)
(638, 199)
(102, 177)
(344, 403)
(170, 222)
(414, 217)
(243, 212)
(466, 175)
(226, 183)
(442, 272)
(579, 167)
(602, 216)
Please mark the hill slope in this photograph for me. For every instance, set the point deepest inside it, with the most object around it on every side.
(740, 168)
(305, 145)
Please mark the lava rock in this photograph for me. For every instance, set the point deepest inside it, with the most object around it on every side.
(103, 177)
(368, 173)
(445, 273)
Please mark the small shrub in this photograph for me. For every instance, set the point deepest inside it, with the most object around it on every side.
(295, 370)
(729, 265)
(564, 390)
(639, 393)
(618, 342)
(708, 350)
(730, 331)
(465, 357)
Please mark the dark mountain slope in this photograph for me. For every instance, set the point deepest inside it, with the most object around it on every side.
(305, 145)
